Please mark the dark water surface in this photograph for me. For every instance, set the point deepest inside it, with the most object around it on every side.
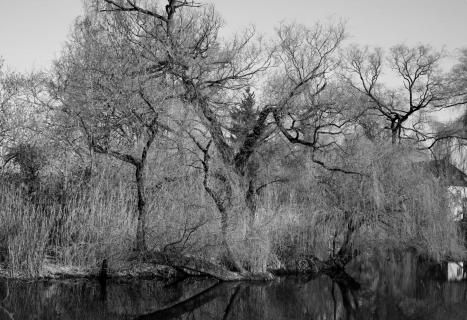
(388, 290)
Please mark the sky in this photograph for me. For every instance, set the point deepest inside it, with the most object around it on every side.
(32, 32)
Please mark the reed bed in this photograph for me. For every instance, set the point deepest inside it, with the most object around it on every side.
(400, 206)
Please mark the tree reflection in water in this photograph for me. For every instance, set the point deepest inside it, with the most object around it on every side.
(290, 298)
(399, 290)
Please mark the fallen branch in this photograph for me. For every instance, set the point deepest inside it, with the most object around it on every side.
(200, 266)
(307, 265)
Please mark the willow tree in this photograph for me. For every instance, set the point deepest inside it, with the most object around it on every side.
(101, 85)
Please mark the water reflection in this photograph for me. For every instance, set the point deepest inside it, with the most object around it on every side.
(399, 289)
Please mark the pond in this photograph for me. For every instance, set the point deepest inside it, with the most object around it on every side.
(401, 289)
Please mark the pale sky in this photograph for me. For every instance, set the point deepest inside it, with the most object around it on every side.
(32, 32)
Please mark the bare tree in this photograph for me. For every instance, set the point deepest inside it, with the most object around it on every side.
(458, 77)
(10, 92)
(424, 87)
(118, 109)
(22, 123)
(210, 74)
(450, 138)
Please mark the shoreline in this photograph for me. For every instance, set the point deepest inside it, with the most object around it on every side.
(151, 269)
(121, 270)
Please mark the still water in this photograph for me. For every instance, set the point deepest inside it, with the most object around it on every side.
(388, 290)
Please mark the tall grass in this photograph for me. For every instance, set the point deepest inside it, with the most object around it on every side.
(399, 206)
(95, 224)
(89, 224)
(24, 232)
(97, 220)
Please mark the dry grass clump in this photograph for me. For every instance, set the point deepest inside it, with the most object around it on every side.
(90, 224)
(24, 233)
(95, 224)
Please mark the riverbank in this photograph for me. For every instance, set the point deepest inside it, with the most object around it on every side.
(122, 269)
(168, 266)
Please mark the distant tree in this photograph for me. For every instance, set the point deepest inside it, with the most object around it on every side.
(10, 89)
(22, 123)
(458, 77)
(450, 139)
(424, 87)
